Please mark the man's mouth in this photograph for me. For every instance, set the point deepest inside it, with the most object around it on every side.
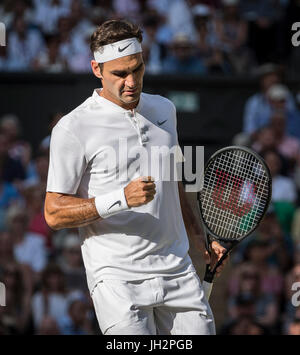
(130, 92)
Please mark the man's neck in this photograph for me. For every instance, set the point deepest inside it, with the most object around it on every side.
(106, 96)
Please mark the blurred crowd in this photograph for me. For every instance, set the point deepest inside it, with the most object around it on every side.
(262, 291)
(224, 37)
(42, 269)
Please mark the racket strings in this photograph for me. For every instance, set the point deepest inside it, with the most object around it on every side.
(235, 193)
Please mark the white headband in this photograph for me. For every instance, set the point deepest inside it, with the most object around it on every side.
(118, 50)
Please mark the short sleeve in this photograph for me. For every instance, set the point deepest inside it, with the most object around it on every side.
(67, 162)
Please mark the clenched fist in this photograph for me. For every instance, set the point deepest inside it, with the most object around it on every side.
(140, 191)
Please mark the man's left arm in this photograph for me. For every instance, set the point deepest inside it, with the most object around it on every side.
(195, 232)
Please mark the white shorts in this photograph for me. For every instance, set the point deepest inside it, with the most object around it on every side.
(160, 306)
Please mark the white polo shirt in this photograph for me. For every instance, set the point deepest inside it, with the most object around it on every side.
(143, 242)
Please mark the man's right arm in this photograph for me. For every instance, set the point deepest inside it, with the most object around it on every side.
(67, 211)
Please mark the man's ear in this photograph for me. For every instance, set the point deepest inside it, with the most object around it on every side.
(96, 69)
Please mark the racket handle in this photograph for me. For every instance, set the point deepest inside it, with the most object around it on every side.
(207, 287)
(208, 281)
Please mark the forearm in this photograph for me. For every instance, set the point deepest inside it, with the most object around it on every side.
(70, 212)
(191, 222)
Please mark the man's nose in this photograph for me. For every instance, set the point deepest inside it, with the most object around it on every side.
(130, 81)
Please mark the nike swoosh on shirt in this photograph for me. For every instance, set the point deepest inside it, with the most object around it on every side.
(116, 203)
(161, 123)
(123, 49)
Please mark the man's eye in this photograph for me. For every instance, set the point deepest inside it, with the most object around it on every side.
(121, 75)
(138, 69)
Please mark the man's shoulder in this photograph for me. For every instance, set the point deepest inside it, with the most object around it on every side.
(76, 116)
(157, 100)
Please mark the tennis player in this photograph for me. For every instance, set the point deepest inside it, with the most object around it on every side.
(134, 240)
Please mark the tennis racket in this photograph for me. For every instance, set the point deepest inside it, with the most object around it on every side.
(235, 195)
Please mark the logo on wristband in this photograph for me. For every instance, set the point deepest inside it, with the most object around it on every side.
(116, 203)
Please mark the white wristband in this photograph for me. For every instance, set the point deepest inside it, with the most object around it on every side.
(111, 203)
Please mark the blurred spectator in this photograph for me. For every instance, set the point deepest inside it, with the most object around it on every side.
(16, 313)
(82, 29)
(293, 126)
(275, 232)
(258, 108)
(50, 59)
(12, 170)
(24, 45)
(72, 264)
(232, 33)
(288, 146)
(47, 14)
(153, 51)
(244, 325)
(296, 255)
(183, 59)
(48, 326)
(284, 193)
(18, 148)
(274, 136)
(180, 19)
(208, 49)
(262, 17)
(76, 321)
(40, 171)
(81, 61)
(51, 299)
(6, 250)
(130, 9)
(29, 248)
(281, 101)
(69, 46)
(9, 10)
(259, 253)
(295, 229)
(101, 11)
(79, 20)
(34, 198)
(161, 6)
(262, 306)
(8, 196)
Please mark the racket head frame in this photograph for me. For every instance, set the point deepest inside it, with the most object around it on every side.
(266, 206)
(210, 236)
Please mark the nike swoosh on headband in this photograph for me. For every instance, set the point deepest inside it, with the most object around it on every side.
(116, 203)
(123, 49)
(161, 123)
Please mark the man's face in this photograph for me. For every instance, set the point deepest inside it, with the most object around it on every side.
(122, 80)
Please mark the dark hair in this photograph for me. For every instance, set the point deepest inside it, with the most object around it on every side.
(113, 31)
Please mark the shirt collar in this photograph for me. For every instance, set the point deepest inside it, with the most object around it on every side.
(112, 105)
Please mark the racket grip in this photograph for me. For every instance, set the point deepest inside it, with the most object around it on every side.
(208, 281)
(207, 287)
